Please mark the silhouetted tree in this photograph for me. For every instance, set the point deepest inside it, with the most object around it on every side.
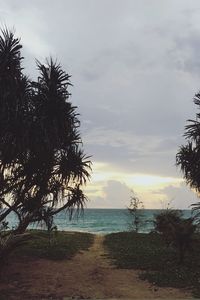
(188, 156)
(42, 163)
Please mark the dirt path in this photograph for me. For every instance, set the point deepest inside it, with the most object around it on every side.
(89, 275)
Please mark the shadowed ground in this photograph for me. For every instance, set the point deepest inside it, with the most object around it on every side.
(89, 275)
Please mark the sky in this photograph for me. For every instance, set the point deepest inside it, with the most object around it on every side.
(135, 67)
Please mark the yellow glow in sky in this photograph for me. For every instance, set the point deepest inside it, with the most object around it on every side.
(151, 180)
(103, 172)
(147, 186)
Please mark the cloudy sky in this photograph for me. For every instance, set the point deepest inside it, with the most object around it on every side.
(135, 67)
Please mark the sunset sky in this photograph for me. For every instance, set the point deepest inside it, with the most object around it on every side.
(135, 68)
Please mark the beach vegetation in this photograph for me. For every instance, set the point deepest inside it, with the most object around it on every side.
(136, 214)
(176, 231)
(157, 263)
(64, 245)
(43, 166)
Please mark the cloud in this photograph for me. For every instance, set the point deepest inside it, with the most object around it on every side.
(133, 153)
(178, 196)
(114, 194)
(135, 70)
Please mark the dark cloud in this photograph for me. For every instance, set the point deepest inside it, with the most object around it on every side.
(135, 69)
(133, 153)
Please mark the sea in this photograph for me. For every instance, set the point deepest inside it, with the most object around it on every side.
(102, 221)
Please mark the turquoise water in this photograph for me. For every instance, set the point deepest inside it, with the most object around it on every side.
(103, 221)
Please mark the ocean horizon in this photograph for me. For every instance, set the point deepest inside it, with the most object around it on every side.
(101, 220)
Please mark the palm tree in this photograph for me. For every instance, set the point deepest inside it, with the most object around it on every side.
(188, 156)
(42, 163)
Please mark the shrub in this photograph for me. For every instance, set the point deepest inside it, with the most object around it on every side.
(176, 231)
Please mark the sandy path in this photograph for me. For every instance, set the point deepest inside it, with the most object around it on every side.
(89, 275)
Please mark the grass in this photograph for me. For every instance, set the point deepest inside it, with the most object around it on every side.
(159, 264)
(62, 245)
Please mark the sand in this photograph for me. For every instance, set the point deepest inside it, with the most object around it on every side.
(89, 275)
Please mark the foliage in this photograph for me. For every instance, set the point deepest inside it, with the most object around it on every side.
(42, 163)
(165, 221)
(64, 246)
(158, 263)
(188, 156)
(135, 210)
(176, 230)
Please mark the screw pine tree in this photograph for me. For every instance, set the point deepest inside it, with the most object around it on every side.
(42, 163)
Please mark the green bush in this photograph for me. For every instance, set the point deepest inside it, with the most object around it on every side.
(176, 231)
